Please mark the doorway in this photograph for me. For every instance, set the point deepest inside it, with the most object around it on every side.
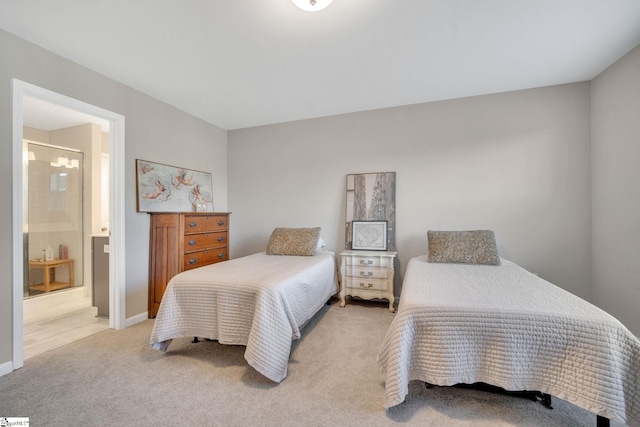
(60, 304)
(21, 264)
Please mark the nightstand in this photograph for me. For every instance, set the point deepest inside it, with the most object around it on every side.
(368, 275)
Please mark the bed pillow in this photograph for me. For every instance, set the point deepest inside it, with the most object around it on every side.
(294, 241)
(463, 247)
(321, 244)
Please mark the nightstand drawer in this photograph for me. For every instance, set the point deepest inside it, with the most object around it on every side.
(368, 261)
(367, 284)
(356, 271)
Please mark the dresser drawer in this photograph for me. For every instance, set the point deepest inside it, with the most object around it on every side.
(368, 261)
(367, 284)
(196, 242)
(200, 223)
(366, 272)
(202, 258)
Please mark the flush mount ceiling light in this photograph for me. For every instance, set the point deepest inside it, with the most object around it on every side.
(312, 5)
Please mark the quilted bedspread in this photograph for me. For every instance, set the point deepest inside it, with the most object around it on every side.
(505, 326)
(259, 301)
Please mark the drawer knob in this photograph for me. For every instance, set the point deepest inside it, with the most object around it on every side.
(192, 242)
(221, 255)
(366, 273)
(220, 239)
(366, 262)
(192, 261)
(220, 222)
(366, 285)
(192, 224)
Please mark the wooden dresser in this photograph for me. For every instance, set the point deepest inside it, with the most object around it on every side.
(182, 241)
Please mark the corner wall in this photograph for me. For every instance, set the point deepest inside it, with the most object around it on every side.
(615, 128)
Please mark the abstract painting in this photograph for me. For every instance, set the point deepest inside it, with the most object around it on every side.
(164, 188)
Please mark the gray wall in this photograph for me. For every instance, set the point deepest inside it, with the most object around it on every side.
(517, 163)
(616, 189)
(153, 131)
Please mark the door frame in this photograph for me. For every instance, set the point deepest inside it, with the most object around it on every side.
(117, 289)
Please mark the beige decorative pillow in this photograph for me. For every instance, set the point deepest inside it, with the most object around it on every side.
(294, 241)
(463, 247)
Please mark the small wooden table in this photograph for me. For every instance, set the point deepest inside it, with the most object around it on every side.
(48, 268)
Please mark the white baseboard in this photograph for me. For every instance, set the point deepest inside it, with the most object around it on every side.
(6, 368)
(136, 319)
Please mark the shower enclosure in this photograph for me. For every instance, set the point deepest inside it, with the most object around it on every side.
(54, 230)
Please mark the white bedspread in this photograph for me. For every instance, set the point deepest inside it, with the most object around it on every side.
(260, 301)
(504, 326)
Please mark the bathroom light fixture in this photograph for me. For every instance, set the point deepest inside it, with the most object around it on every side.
(312, 5)
(64, 162)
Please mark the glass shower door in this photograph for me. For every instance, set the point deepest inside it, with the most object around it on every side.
(55, 224)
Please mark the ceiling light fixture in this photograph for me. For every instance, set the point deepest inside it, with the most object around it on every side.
(312, 5)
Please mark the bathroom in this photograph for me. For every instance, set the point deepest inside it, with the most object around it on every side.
(66, 211)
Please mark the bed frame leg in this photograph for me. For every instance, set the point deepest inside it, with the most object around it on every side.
(545, 399)
(196, 340)
(602, 421)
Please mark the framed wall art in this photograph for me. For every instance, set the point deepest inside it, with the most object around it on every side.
(164, 188)
(369, 235)
(371, 197)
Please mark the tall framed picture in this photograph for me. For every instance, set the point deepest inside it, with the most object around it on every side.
(369, 235)
(371, 197)
(164, 188)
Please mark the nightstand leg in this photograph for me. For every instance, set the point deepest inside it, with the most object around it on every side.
(343, 291)
(392, 300)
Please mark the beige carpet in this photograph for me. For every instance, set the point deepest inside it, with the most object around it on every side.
(115, 378)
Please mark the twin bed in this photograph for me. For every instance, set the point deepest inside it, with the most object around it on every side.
(260, 301)
(465, 316)
(461, 321)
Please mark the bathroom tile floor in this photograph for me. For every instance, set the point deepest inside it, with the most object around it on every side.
(61, 328)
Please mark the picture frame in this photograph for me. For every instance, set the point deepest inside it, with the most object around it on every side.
(369, 235)
(166, 188)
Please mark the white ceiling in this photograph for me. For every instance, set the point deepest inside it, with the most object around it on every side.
(242, 63)
(44, 115)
